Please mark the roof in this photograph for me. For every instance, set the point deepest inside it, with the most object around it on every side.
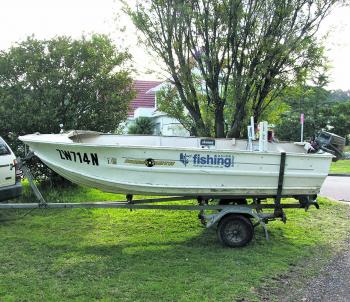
(144, 97)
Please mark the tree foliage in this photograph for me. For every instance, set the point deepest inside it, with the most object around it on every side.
(82, 84)
(323, 110)
(339, 119)
(168, 101)
(238, 54)
(142, 125)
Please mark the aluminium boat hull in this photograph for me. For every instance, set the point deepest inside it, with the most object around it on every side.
(176, 166)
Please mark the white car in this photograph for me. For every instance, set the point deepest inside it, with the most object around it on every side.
(10, 179)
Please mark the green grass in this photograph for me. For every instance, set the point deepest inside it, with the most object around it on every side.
(341, 166)
(119, 255)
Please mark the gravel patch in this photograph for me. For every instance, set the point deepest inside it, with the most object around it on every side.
(332, 284)
(331, 281)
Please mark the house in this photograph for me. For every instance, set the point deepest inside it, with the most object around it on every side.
(145, 105)
(144, 98)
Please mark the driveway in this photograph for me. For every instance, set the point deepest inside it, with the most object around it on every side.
(336, 187)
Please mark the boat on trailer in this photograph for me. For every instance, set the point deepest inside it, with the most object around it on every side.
(186, 166)
(183, 168)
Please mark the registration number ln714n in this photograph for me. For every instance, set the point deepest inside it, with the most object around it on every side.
(79, 157)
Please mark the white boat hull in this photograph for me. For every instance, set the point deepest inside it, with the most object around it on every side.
(164, 169)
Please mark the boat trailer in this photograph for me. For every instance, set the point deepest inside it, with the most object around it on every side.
(234, 217)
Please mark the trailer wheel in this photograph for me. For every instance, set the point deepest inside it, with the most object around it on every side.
(235, 231)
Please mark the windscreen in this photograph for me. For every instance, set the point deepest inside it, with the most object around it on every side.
(4, 150)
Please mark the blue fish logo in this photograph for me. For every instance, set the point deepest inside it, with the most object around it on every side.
(184, 158)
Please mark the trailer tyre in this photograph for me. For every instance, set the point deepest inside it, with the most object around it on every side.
(235, 231)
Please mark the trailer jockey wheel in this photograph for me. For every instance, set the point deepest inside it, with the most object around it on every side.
(235, 231)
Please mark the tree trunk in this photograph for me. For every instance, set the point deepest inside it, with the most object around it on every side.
(219, 121)
(200, 127)
(237, 123)
(235, 130)
(256, 115)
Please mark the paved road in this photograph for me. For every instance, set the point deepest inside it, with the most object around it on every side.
(337, 188)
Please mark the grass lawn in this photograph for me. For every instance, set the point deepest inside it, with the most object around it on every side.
(341, 166)
(119, 255)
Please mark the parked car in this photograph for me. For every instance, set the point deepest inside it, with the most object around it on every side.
(10, 177)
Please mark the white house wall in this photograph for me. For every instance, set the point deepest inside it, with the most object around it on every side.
(143, 112)
(168, 126)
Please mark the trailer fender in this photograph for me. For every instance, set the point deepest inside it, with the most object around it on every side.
(212, 219)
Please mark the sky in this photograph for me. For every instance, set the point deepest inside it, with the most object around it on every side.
(49, 18)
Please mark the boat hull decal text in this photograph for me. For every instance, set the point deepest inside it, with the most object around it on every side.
(112, 161)
(156, 162)
(207, 142)
(79, 157)
(207, 160)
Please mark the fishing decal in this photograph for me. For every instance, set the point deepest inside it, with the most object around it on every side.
(202, 160)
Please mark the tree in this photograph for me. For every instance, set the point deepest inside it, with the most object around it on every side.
(142, 125)
(82, 84)
(323, 109)
(339, 119)
(340, 95)
(313, 101)
(239, 54)
(168, 101)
